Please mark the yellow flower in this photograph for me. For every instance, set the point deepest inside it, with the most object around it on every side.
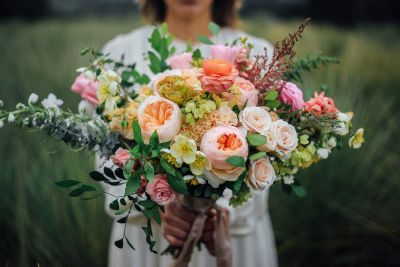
(109, 89)
(184, 149)
(200, 164)
(166, 154)
(193, 180)
(357, 139)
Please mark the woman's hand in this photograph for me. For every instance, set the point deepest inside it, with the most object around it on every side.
(177, 222)
(209, 228)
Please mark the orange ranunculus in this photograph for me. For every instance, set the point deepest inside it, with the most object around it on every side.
(217, 67)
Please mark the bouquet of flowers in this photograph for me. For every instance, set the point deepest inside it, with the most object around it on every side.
(227, 126)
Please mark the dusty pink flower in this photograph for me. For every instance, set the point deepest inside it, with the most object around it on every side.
(224, 52)
(247, 92)
(160, 191)
(181, 61)
(86, 88)
(217, 75)
(120, 157)
(290, 94)
(320, 105)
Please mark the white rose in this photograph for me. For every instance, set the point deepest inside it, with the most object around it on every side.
(286, 137)
(261, 175)
(271, 143)
(255, 119)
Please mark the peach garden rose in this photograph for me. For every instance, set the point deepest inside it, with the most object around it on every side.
(255, 119)
(219, 144)
(161, 115)
(286, 137)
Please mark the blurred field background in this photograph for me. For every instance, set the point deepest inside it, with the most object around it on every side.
(350, 217)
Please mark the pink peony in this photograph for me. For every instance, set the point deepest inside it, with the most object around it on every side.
(160, 191)
(86, 88)
(217, 75)
(247, 92)
(120, 157)
(224, 52)
(290, 94)
(220, 143)
(320, 105)
(161, 115)
(181, 61)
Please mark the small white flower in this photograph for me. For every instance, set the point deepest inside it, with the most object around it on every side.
(113, 88)
(288, 179)
(86, 108)
(20, 106)
(11, 117)
(194, 180)
(1, 123)
(51, 102)
(331, 142)
(227, 194)
(341, 128)
(323, 153)
(33, 98)
(213, 180)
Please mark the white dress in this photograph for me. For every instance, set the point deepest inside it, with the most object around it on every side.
(252, 236)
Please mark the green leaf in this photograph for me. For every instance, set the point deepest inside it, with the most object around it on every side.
(133, 183)
(273, 104)
(128, 168)
(154, 141)
(299, 190)
(148, 213)
(164, 28)
(214, 28)
(257, 155)
(177, 184)
(236, 161)
(256, 139)
(148, 204)
(137, 132)
(205, 40)
(155, 63)
(87, 188)
(156, 215)
(238, 183)
(167, 167)
(197, 54)
(149, 171)
(76, 192)
(119, 243)
(155, 39)
(236, 109)
(114, 205)
(129, 243)
(67, 183)
(271, 95)
(136, 152)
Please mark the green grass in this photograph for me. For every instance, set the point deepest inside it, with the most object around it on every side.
(349, 218)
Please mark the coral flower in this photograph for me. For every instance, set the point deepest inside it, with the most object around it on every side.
(161, 115)
(320, 105)
(218, 75)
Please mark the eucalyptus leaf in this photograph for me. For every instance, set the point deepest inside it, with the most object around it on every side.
(67, 183)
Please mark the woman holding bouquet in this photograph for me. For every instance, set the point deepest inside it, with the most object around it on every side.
(249, 226)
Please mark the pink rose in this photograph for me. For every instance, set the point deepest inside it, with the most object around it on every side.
(220, 143)
(223, 52)
(86, 88)
(286, 137)
(247, 92)
(290, 94)
(120, 157)
(181, 61)
(255, 119)
(160, 191)
(261, 175)
(161, 115)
